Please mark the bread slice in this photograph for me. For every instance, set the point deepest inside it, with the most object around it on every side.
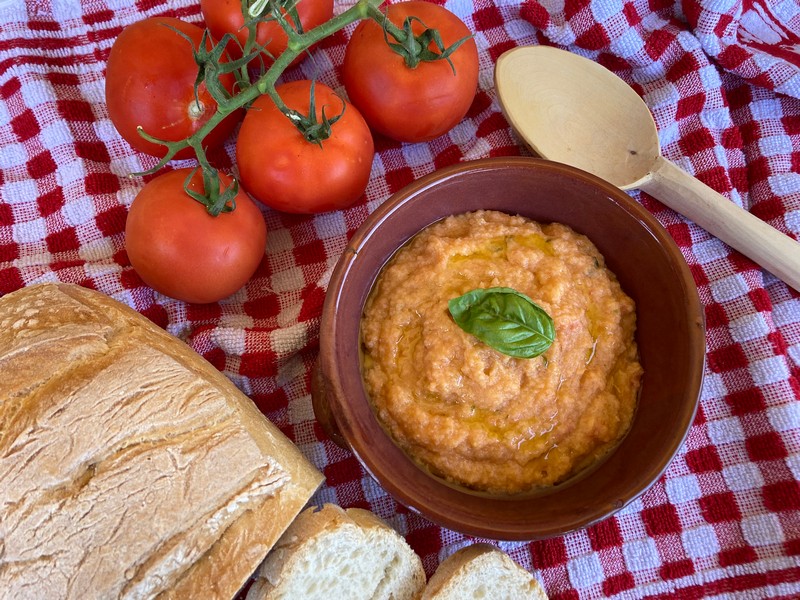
(129, 466)
(482, 572)
(332, 554)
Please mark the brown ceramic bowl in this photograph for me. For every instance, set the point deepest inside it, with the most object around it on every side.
(670, 336)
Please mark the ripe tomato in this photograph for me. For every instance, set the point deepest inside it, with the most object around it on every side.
(280, 168)
(225, 16)
(181, 251)
(411, 105)
(150, 82)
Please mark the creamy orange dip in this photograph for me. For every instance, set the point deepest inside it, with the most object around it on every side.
(473, 415)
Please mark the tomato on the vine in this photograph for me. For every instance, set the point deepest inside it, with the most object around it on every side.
(225, 16)
(150, 80)
(181, 251)
(405, 104)
(281, 168)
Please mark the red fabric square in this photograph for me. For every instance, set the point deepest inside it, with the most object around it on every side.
(605, 534)
(342, 471)
(102, 183)
(25, 125)
(399, 178)
(661, 520)
(497, 49)
(746, 401)
(685, 65)
(696, 141)
(101, 16)
(737, 556)
(769, 209)
(593, 38)
(76, 110)
(657, 43)
(782, 496)
(258, 364)
(760, 299)
(573, 7)
(112, 221)
(703, 460)
(10, 280)
(309, 253)
(9, 88)
(720, 507)
(267, 307)
(63, 241)
(733, 56)
(618, 583)
(768, 446)
(716, 316)
(8, 252)
(548, 553)
(631, 14)
(41, 165)
(487, 18)
(681, 234)
(96, 151)
(50, 202)
(313, 297)
(690, 105)
(677, 569)
(727, 358)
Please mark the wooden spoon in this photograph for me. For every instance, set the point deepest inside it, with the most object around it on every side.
(572, 110)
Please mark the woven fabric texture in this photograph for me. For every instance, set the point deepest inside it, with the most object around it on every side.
(722, 80)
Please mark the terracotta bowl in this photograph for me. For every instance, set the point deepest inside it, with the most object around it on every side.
(670, 335)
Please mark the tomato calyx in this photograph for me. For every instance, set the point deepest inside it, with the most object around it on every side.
(313, 130)
(415, 49)
(216, 201)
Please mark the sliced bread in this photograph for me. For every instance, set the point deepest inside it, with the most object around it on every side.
(482, 572)
(332, 553)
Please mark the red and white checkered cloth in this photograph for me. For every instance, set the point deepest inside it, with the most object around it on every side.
(723, 82)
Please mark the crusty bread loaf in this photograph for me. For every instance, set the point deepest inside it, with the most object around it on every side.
(129, 466)
(333, 554)
(482, 572)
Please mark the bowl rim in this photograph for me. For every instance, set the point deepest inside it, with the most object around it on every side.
(349, 428)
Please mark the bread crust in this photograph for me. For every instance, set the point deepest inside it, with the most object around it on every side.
(139, 399)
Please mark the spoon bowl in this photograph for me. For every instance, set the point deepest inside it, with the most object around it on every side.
(571, 110)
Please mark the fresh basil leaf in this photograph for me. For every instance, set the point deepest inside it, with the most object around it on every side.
(505, 319)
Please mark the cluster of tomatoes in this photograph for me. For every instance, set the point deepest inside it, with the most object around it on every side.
(173, 243)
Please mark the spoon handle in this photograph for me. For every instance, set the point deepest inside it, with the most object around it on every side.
(774, 251)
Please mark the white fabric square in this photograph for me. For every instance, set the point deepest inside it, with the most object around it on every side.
(683, 489)
(13, 155)
(713, 386)
(729, 288)
(785, 183)
(628, 43)
(30, 232)
(585, 570)
(785, 417)
(710, 250)
(769, 370)
(749, 327)
(744, 476)
(300, 410)
(725, 431)
(700, 541)
(775, 145)
(606, 9)
(762, 530)
(641, 555)
(417, 155)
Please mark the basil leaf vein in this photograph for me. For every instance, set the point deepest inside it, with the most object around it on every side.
(505, 319)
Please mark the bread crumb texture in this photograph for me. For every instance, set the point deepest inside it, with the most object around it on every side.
(482, 572)
(120, 465)
(335, 553)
